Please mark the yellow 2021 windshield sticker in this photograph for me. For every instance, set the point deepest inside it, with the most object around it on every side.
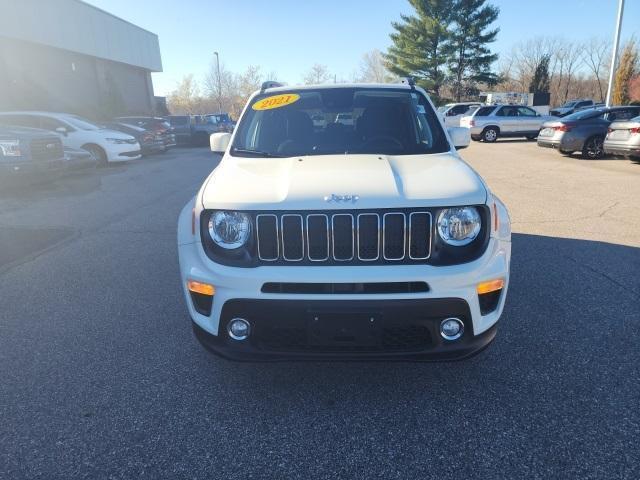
(276, 101)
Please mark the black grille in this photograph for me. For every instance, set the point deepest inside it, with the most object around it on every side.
(46, 149)
(345, 288)
(394, 338)
(339, 237)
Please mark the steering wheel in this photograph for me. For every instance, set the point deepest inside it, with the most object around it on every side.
(383, 139)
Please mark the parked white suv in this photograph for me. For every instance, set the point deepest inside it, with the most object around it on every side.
(76, 132)
(453, 112)
(488, 123)
(372, 240)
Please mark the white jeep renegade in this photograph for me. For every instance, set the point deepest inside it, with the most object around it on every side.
(366, 239)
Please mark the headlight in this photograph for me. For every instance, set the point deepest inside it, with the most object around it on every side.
(118, 141)
(229, 230)
(10, 148)
(459, 226)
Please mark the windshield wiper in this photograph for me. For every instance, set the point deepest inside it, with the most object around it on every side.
(255, 153)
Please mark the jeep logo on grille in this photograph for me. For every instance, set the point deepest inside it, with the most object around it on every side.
(333, 198)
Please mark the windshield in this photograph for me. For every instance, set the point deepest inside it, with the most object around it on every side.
(569, 105)
(80, 123)
(356, 120)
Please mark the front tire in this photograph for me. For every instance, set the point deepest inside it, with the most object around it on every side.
(98, 154)
(490, 134)
(592, 148)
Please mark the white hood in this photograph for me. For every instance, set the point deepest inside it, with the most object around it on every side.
(379, 181)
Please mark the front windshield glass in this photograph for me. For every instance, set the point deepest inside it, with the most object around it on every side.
(569, 105)
(81, 123)
(339, 120)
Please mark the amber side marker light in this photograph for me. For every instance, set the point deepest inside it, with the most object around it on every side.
(203, 288)
(490, 286)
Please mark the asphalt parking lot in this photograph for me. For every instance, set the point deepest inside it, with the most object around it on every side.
(101, 376)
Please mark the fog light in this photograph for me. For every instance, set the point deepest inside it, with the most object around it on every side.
(239, 329)
(451, 328)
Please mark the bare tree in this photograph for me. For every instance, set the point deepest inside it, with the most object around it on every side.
(317, 74)
(373, 69)
(228, 85)
(571, 67)
(185, 99)
(249, 81)
(568, 58)
(595, 54)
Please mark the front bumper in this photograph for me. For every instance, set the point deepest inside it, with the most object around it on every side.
(123, 152)
(31, 169)
(345, 330)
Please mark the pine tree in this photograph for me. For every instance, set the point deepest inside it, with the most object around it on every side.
(624, 73)
(420, 42)
(468, 57)
(540, 81)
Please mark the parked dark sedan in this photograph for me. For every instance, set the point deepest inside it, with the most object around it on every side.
(157, 125)
(583, 131)
(150, 142)
(29, 152)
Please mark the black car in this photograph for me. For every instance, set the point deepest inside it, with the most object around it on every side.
(158, 125)
(571, 106)
(29, 152)
(583, 131)
(150, 142)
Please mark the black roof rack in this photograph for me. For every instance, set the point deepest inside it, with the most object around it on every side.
(270, 84)
(409, 81)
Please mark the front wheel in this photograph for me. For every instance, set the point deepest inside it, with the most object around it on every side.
(593, 148)
(97, 153)
(490, 135)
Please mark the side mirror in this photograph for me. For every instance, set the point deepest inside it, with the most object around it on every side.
(460, 137)
(219, 142)
(62, 131)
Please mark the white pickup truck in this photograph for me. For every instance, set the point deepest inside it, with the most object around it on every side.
(326, 240)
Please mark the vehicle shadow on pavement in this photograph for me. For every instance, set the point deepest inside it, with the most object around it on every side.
(571, 304)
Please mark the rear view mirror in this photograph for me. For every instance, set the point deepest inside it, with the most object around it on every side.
(460, 137)
(219, 142)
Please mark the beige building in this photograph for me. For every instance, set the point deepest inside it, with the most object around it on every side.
(68, 56)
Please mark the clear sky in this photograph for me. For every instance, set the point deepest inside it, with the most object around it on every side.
(289, 36)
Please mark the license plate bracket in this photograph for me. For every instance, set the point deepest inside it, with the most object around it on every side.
(335, 329)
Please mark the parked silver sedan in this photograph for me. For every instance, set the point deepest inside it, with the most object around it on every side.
(623, 138)
(583, 131)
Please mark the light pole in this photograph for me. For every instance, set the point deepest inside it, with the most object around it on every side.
(614, 54)
(219, 82)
